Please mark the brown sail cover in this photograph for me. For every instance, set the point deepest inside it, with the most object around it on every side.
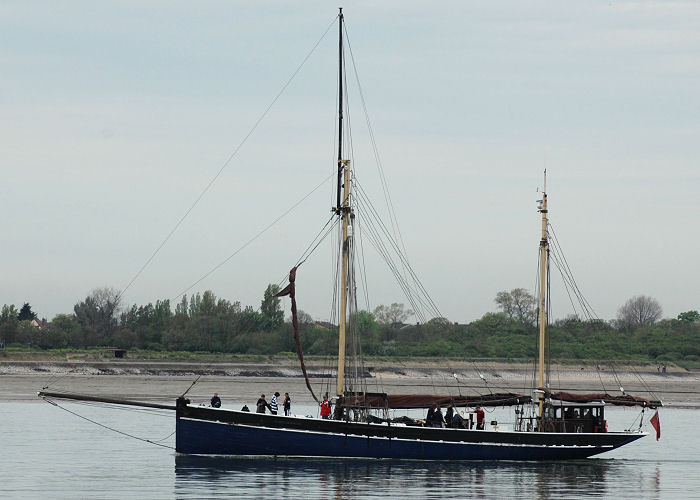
(289, 290)
(406, 401)
(623, 399)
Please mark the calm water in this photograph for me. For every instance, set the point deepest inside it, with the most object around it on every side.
(50, 453)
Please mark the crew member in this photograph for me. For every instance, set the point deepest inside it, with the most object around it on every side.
(449, 415)
(429, 416)
(326, 408)
(261, 405)
(287, 405)
(216, 400)
(480, 416)
(438, 418)
(273, 403)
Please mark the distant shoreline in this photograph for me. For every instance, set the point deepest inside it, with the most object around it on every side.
(142, 377)
(104, 362)
(289, 367)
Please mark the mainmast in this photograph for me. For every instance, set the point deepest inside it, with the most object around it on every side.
(340, 108)
(542, 308)
(343, 209)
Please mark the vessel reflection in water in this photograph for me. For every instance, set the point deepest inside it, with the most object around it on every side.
(195, 475)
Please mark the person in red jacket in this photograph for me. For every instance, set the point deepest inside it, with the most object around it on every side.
(479, 417)
(326, 408)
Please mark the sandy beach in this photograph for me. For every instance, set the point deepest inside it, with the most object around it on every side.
(243, 381)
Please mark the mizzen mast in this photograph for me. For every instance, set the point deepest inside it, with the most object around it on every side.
(542, 307)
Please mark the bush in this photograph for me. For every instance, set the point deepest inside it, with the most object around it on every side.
(670, 356)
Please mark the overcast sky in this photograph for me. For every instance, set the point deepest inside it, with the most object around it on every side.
(116, 115)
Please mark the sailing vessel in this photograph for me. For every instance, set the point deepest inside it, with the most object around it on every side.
(551, 426)
(554, 426)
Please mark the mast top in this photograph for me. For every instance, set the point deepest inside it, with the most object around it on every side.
(542, 204)
(545, 181)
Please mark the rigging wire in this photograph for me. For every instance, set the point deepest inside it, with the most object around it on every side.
(56, 381)
(151, 412)
(56, 378)
(327, 366)
(375, 229)
(547, 316)
(482, 377)
(587, 311)
(228, 161)
(315, 243)
(533, 378)
(359, 228)
(614, 372)
(393, 219)
(194, 382)
(586, 308)
(567, 275)
(397, 238)
(375, 219)
(377, 242)
(307, 253)
(639, 417)
(600, 377)
(566, 287)
(644, 383)
(251, 240)
(156, 443)
(387, 196)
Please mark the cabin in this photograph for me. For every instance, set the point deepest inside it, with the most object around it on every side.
(564, 416)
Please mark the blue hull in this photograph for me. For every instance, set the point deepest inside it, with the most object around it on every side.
(207, 437)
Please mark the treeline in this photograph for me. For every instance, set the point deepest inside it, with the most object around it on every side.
(496, 335)
(210, 324)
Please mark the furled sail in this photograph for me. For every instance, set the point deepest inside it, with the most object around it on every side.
(622, 399)
(289, 290)
(407, 401)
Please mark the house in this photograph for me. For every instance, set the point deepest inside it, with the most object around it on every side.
(39, 323)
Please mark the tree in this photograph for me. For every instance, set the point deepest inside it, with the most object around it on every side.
(270, 308)
(365, 321)
(639, 311)
(394, 315)
(8, 324)
(97, 315)
(303, 318)
(689, 316)
(26, 313)
(518, 304)
(65, 326)
(439, 327)
(181, 308)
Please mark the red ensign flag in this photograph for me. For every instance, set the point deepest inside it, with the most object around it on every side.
(656, 424)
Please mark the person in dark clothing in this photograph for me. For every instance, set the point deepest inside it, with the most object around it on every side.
(261, 405)
(287, 405)
(216, 400)
(438, 419)
(245, 408)
(448, 416)
(429, 416)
